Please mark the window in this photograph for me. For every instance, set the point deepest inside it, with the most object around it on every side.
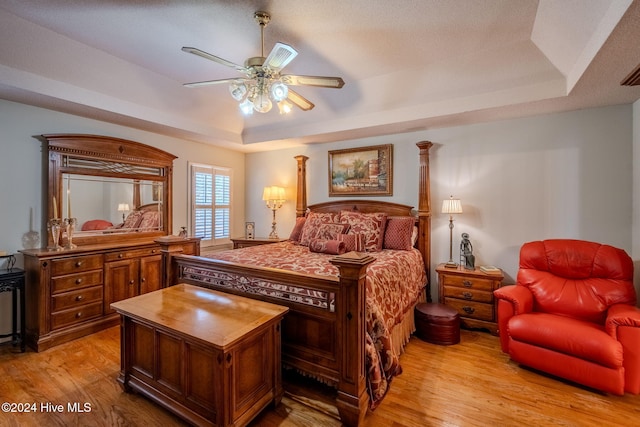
(210, 204)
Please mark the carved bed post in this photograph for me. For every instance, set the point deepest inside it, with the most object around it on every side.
(424, 211)
(301, 196)
(352, 400)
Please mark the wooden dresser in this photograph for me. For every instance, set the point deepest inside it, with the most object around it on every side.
(69, 292)
(470, 292)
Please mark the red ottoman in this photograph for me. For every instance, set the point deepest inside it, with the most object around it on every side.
(437, 324)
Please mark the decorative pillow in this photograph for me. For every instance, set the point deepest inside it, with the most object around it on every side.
(296, 233)
(370, 224)
(150, 221)
(312, 224)
(332, 247)
(414, 236)
(397, 234)
(352, 242)
(133, 219)
(96, 224)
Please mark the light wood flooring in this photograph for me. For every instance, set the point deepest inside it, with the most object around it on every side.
(469, 384)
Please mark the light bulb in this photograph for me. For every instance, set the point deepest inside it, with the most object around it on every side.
(246, 107)
(284, 106)
(279, 91)
(262, 103)
(238, 90)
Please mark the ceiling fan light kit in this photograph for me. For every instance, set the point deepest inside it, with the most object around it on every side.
(263, 84)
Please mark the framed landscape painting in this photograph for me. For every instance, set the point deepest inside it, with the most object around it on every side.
(363, 171)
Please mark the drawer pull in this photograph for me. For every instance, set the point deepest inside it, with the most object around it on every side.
(79, 264)
(153, 251)
(143, 280)
(468, 310)
(78, 315)
(467, 295)
(467, 283)
(79, 298)
(120, 255)
(131, 282)
(78, 281)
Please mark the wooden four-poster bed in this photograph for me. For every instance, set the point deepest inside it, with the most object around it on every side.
(329, 333)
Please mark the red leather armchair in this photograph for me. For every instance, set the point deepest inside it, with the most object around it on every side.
(572, 313)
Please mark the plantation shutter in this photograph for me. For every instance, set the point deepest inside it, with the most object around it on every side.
(211, 204)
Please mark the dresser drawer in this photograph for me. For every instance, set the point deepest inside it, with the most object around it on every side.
(131, 253)
(471, 309)
(73, 299)
(468, 282)
(75, 315)
(75, 264)
(76, 281)
(468, 294)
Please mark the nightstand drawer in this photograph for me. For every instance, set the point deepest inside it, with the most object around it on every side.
(468, 294)
(468, 282)
(474, 310)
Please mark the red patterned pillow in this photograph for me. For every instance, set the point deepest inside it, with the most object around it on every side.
(150, 221)
(331, 247)
(352, 242)
(397, 234)
(370, 224)
(313, 224)
(296, 233)
(133, 219)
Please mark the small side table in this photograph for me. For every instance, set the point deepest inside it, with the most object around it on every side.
(470, 292)
(13, 279)
(241, 242)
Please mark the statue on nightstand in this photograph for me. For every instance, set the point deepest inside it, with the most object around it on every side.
(466, 252)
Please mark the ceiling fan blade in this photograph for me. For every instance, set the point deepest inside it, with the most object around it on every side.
(279, 57)
(299, 100)
(210, 82)
(214, 58)
(320, 81)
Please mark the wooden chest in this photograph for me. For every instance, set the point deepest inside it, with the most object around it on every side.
(210, 357)
(470, 292)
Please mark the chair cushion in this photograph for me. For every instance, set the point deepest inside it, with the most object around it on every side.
(576, 278)
(584, 340)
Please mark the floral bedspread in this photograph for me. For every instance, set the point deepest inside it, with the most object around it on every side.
(393, 284)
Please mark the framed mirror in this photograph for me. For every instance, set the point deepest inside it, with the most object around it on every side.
(116, 190)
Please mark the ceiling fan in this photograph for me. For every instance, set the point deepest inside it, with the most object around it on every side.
(263, 82)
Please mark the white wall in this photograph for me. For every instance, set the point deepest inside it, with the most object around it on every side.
(21, 173)
(564, 175)
(635, 249)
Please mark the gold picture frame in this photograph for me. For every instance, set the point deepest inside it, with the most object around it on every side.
(363, 171)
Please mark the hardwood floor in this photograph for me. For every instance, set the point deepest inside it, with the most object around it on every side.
(469, 384)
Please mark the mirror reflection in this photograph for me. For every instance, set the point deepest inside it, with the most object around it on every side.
(105, 205)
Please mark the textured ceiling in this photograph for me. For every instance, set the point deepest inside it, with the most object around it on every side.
(407, 64)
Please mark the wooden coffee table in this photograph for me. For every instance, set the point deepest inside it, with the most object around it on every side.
(211, 358)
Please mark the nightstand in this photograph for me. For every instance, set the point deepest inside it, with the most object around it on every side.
(470, 292)
(242, 242)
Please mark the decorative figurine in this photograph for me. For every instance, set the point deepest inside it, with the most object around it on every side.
(466, 252)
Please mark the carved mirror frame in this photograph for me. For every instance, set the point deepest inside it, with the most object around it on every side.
(113, 158)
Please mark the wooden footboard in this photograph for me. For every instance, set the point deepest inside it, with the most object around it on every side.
(323, 334)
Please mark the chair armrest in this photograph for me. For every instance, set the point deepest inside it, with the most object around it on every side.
(621, 315)
(520, 296)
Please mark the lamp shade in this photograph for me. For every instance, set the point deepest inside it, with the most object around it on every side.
(273, 193)
(451, 206)
(123, 207)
